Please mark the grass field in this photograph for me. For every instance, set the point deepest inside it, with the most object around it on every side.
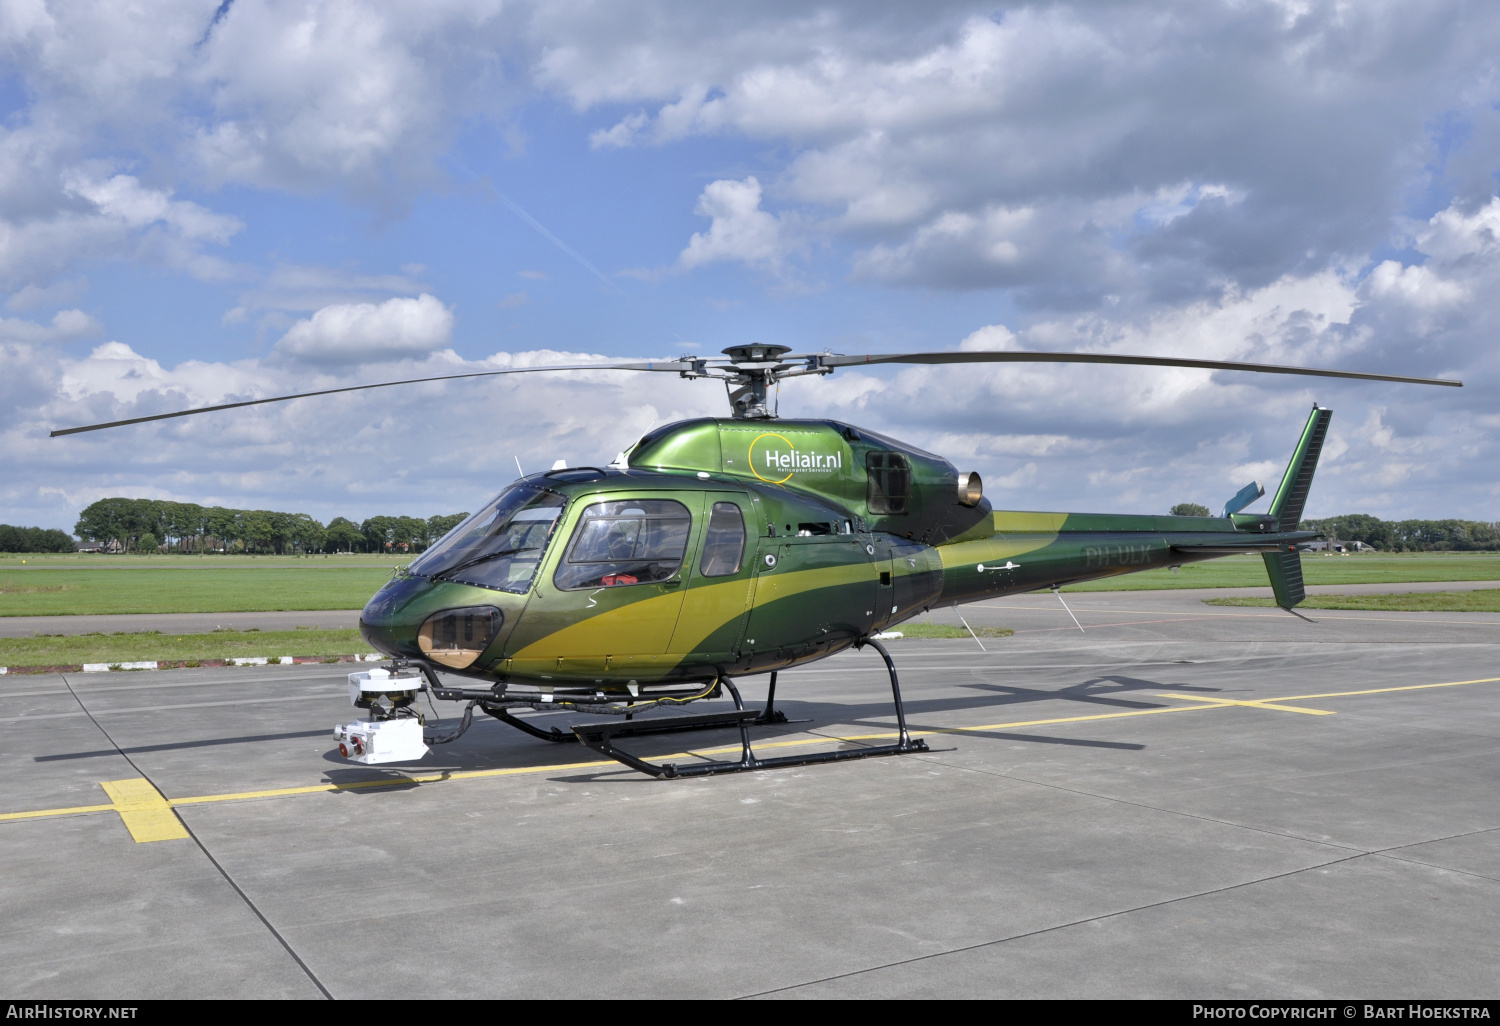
(70, 584)
(1363, 568)
(1483, 601)
(943, 630)
(190, 584)
(77, 560)
(52, 650)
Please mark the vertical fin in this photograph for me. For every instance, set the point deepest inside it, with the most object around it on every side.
(1291, 497)
(1285, 568)
(1285, 571)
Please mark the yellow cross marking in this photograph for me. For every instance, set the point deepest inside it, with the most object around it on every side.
(1262, 704)
(147, 815)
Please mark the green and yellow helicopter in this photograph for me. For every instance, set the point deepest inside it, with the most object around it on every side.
(720, 547)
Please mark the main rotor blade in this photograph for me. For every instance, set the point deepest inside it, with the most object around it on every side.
(650, 365)
(1139, 361)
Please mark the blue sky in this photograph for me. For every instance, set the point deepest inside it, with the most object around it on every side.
(323, 192)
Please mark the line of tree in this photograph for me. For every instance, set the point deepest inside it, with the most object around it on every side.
(1410, 535)
(156, 525)
(34, 539)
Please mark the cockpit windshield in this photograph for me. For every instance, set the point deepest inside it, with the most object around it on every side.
(499, 547)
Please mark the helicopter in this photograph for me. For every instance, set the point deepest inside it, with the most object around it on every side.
(715, 548)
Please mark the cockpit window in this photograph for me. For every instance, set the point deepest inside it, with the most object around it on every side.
(499, 547)
(617, 543)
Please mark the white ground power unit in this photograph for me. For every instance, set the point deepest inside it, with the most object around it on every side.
(397, 739)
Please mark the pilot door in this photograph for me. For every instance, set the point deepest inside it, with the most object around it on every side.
(613, 601)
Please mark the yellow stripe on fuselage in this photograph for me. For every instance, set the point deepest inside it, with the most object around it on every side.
(1010, 522)
(773, 586)
(990, 550)
(707, 609)
(601, 634)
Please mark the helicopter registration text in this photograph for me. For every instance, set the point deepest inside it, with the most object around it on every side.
(1117, 555)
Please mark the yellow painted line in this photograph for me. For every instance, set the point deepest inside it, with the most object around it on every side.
(146, 813)
(141, 800)
(56, 812)
(1208, 615)
(1382, 691)
(1265, 704)
(362, 785)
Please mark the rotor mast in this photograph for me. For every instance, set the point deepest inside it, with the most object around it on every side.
(750, 372)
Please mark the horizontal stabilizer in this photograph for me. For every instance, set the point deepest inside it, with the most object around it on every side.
(1244, 497)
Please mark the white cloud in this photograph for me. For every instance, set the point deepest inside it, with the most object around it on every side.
(1144, 438)
(66, 326)
(33, 297)
(303, 288)
(621, 134)
(370, 333)
(344, 455)
(1418, 286)
(740, 230)
(122, 197)
(1215, 141)
(1159, 156)
(1173, 202)
(1206, 180)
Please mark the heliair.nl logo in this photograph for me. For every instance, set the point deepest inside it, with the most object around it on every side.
(776, 463)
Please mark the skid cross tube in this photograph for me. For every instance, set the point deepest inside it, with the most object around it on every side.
(601, 739)
(498, 702)
(771, 714)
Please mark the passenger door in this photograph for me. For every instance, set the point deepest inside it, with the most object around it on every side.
(811, 593)
(720, 580)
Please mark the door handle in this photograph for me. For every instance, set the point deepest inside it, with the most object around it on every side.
(677, 583)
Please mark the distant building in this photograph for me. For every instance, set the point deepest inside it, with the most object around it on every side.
(1336, 546)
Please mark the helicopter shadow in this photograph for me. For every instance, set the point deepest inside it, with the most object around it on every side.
(181, 745)
(1043, 739)
(368, 779)
(1089, 693)
(490, 745)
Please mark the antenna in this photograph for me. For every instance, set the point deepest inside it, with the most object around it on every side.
(1065, 606)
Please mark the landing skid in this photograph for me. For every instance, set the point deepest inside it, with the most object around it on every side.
(601, 738)
(658, 725)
